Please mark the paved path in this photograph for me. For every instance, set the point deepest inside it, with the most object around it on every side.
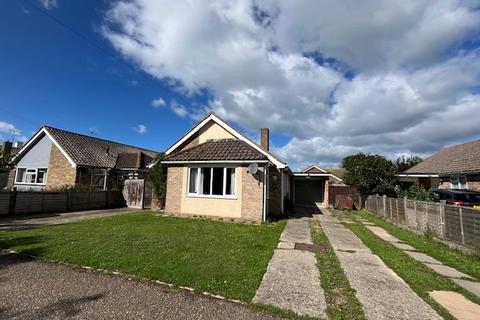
(26, 222)
(437, 266)
(383, 294)
(32, 289)
(292, 280)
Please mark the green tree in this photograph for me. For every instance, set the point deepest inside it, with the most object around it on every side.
(404, 163)
(416, 192)
(370, 174)
(158, 178)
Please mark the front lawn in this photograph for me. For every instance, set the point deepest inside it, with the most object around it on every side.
(223, 258)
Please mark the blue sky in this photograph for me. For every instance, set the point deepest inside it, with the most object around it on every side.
(50, 76)
(327, 84)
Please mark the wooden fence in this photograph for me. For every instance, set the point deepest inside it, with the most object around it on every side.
(15, 202)
(452, 223)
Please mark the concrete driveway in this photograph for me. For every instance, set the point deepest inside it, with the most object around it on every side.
(25, 222)
(31, 289)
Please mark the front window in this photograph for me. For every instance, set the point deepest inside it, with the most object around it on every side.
(458, 182)
(212, 181)
(31, 176)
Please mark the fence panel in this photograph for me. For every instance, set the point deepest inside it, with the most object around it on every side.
(453, 223)
(4, 202)
(28, 202)
(471, 226)
(49, 202)
(54, 202)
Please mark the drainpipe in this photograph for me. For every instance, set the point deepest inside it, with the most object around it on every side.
(265, 187)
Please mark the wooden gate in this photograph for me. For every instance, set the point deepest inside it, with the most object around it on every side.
(133, 193)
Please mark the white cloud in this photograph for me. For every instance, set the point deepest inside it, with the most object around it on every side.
(158, 103)
(140, 128)
(9, 128)
(48, 4)
(256, 58)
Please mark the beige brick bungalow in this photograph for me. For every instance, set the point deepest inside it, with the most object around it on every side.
(215, 170)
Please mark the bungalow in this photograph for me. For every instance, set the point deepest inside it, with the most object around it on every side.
(455, 167)
(215, 170)
(55, 158)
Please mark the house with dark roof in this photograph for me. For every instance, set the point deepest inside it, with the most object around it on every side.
(455, 167)
(55, 158)
(215, 170)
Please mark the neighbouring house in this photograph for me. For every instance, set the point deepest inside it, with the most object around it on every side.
(455, 167)
(55, 158)
(215, 170)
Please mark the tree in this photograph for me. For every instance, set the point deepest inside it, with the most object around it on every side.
(370, 174)
(416, 192)
(403, 163)
(5, 160)
(157, 176)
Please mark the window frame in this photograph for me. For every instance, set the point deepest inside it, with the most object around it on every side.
(36, 176)
(198, 182)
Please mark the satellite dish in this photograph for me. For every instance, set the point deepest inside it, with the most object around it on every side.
(253, 168)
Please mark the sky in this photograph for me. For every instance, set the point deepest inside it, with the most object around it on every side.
(329, 78)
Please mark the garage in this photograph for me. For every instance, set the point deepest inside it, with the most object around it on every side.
(309, 191)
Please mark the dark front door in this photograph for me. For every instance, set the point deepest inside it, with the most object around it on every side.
(309, 192)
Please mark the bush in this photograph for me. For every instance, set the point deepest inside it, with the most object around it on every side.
(416, 192)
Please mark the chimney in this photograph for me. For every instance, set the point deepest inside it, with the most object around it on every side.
(7, 147)
(265, 139)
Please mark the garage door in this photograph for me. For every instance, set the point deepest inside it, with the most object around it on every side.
(309, 191)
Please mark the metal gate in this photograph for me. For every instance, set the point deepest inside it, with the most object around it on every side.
(137, 193)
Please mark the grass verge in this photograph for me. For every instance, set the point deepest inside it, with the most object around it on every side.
(418, 276)
(469, 264)
(222, 258)
(340, 297)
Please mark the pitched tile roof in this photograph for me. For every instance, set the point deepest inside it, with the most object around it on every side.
(94, 152)
(219, 149)
(462, 158)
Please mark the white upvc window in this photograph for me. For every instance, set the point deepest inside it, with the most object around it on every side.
(37, 176)
(212, 182)
(458, 182)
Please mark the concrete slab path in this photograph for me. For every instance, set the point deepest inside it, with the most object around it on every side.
(457, 305)
(383, 294)
(292, 279)
(430, 262)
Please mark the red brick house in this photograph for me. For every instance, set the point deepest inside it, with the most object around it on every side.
(215, 170)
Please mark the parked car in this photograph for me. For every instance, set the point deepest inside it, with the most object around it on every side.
(466, 198)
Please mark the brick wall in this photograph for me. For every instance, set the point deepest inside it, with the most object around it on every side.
(173, 199)
(60, 170)
(275, 191)
(252, 195)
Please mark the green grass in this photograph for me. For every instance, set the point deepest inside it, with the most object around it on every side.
(418, 276)
(223, 258)
(469, 264)
(340, 297)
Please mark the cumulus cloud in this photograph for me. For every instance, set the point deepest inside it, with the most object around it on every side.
(158, 103)
(140, 128)
(337, 76)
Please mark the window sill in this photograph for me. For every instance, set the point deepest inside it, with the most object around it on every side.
(30, 184)
(204, 196)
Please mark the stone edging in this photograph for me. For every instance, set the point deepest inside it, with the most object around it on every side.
(127, 277)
